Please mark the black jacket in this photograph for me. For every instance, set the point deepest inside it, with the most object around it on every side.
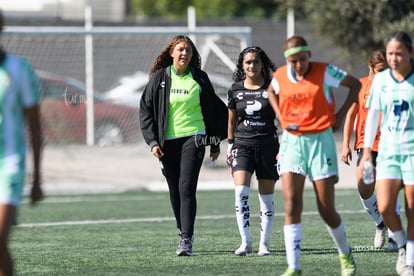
(154, 109)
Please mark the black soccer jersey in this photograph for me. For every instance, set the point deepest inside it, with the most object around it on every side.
(255, 122)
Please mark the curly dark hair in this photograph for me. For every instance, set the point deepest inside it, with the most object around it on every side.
(268, 66)
(164, 59)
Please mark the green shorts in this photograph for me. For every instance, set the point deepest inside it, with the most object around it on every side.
(12, 177)
(312, 155)
(396, 167)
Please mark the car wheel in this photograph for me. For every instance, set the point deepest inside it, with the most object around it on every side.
(108, 134)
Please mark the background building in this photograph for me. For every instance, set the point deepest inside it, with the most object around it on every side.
(108, 10)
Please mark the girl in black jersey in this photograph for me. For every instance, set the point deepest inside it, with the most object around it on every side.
(253, 144)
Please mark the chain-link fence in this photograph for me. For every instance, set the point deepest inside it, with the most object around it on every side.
(121, 60)
(58, 54)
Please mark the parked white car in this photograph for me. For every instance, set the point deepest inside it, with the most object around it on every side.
(128, 90)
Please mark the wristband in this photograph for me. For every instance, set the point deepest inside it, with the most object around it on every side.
(230, 141)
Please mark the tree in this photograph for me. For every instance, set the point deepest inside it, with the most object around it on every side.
(211, 9)
(359, 26)
(356, 27)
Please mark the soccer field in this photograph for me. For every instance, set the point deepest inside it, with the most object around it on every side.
(134, 233)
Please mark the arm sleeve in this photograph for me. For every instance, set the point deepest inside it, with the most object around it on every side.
(371, 126)
(147, 116)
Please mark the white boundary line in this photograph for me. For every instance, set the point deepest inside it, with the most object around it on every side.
(153, 196)
(158, 219)
(75, 199)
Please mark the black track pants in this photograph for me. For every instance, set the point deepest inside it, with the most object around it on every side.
(181, 166)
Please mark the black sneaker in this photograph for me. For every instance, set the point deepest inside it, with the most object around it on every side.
(180, 235)
(185, 247)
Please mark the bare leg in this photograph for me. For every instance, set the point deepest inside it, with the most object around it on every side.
(7, 216)
(409, 211)
(325, 199)
(387, 194)
(292, 190)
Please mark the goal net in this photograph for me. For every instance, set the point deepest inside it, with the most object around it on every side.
(121, 60)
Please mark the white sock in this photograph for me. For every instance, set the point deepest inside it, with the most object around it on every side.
(391, 234)
(400, 238)
(339, 237)
(409, 253)
(243, 212)
(293, 239)
(266, 217)
(370, 206)
(398, 207)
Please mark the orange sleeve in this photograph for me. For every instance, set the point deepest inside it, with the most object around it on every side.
(362, 112)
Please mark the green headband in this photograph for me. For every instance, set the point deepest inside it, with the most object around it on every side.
(295, 50)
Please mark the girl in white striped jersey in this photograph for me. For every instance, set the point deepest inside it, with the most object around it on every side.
(392, 94)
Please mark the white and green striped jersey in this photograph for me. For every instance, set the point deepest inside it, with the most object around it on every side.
(395, 99)
(19, 88)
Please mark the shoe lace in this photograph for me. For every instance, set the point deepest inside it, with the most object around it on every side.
(186, 241)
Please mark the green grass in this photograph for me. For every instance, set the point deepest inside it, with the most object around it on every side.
(134, 234)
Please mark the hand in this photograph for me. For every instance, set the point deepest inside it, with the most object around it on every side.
(346, 156)
(157, 152)
(277, 164)
(366, 156)
(229, 157)
(214, 155)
